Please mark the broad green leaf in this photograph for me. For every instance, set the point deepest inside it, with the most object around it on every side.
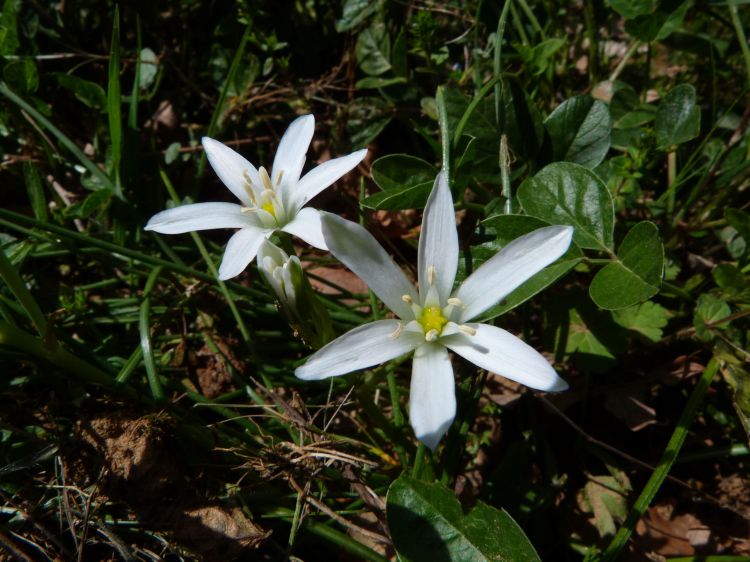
(378, 82)
(406, 182)
(354, 13)
(636, 273)
(367, 117)
(94, 203)
(647, 319)
(660, 23)
(740, 221)
(89, 93)
(374, 49)
(709, 310)
(632, 8)
(580, 129)
(568, 193)
(508, 228)
(427, 523)
(678, 118)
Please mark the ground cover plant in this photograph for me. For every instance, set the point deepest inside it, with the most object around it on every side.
(486, 299)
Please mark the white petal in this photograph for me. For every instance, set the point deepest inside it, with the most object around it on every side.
(290, 156)
(241, 250)
(356, 248)
(432, 398)
(510, 267)
(438, 242)
(320, 177)
(231, 169)
(504, 354)
(199, 216)
(306, 225)
(359, 348)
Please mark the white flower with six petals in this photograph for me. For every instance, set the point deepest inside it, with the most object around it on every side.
(270, 202)
(431, 319)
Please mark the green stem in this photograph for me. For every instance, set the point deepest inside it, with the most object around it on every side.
(621, 65)
(416, 471)
(145, 332)
(444, 132)
(665, 463)
(497, 63)
(532, 18)
(740, 36)
(18, 288)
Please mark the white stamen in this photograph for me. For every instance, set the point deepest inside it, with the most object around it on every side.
(431, 273)
(278, 178)
(407, 299)
(265, 179)
(245, 210)
(246, 177)
(453, 301)
(397, 333)
(467, 330)
(432, 335)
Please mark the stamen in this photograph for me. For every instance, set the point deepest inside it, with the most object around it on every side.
(265, 179)
(245, 210)
(397, 333)
(456, 302)
(407, 299)
(278, 178)
(467, 330)
(431, 273)
(246, 177)
(432, 335)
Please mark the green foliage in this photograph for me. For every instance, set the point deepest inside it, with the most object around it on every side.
(427, 522)
(580, 129)
(678, 118)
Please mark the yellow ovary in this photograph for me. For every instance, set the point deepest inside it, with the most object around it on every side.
(432, 319)
(269, 208)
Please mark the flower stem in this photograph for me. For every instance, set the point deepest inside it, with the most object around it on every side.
(416, 471)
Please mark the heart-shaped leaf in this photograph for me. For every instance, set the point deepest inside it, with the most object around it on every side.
(579, 129)
(636, 274)
(678, 118)
(567, 193)
(406, 182)
(427, 523)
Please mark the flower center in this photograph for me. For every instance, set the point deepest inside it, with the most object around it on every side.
(268, 207)
(432, 319)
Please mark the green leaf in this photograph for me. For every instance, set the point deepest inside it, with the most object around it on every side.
(406, 182)
(94, 203)
(114, 100)
(354, 13)
(539, 57)
(709, 309)
(637, 272)
(22, 75)
(427, 523)
(374, 50)
(367, 117)
(567, 193)
(507, 229)
(678, 118)
(34, 190)
(378, 82)
(580, 131)
(647, 319)
(660, 23)
(632, 8)
(606, 498)
(149, 66)
(740, 221)
(8, 29)
(89, 93)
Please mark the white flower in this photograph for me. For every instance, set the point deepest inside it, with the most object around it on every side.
(269, 201)
(431, 319)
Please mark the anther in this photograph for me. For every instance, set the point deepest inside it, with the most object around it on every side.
(467, 330)
(246, 177)
(247, 210)
(396, 333)
(455, 302)
(431, 273)
(278, 178)
(407, 299)
(265, 179)
(432, 335)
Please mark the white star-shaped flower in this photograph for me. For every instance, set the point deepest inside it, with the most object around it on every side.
(431, 318)
(269, 201)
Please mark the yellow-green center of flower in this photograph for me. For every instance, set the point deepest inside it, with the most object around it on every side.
(268, 207)
(432, 319)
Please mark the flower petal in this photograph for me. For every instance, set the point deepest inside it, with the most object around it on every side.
(320, 177)
(231, 169)
(199, 216)
(359, 251)
(503, 353)
(306, 225)
(290, 156)
(432, 398)
(510, 267)
(241, 250)
(438, 242)
(359, 348)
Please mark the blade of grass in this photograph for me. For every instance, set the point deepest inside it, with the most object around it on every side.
(144, 327)
(219, 109)
(472, 106)
(497, 62)
(665, 463)
(16, 285)
(93, 169)
(114, 109)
